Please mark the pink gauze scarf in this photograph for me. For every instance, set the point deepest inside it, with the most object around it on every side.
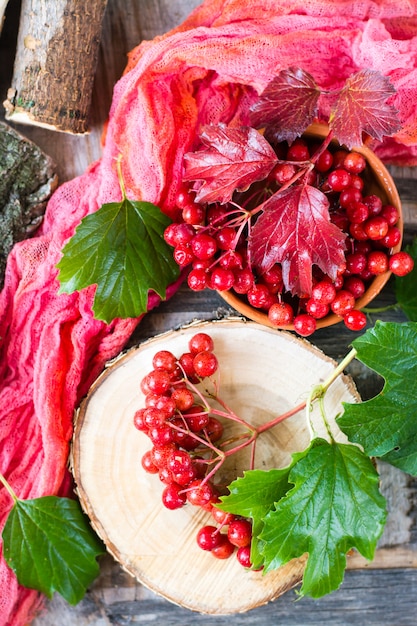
(209, 69)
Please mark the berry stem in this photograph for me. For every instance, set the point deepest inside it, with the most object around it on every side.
(381, 309)
(5, 484)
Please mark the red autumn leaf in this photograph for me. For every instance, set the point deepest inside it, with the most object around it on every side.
(295, 230)
(361, 107)
(287, 105)
(234, 159)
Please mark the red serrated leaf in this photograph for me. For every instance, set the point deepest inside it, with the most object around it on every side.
(361, 107)
(234, 159)
(295, 230)
(288, 104)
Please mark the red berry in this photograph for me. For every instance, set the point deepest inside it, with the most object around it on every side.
(148, 464)
(354, 163)
(401, 263)
(240, 532)
(205, 364)
(343, 303)
(243, 556)
(173, 497)
(222, 279)
(355, 320)
(304, 324)
(183, 254)
(214, 429)
(355, 285)
(280, 314)
(260, 297)
(224, 550)
(197, 279)
(377, 262)
(158, 381)
(298, 151)
(317, 309)
(193, 214)
(390, 213)
(208, 537)
(200, 493)
(243, 280)
(374, 204)
(203, 246)
(392, 238)
(338, 179)
(324, 162)
(376, 227)
(357, 212)
(324, 291)
(183, 398)
(200, 342)
(222, 517)
(165, 360)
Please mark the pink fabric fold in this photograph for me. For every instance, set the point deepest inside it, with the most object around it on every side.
(209, 69)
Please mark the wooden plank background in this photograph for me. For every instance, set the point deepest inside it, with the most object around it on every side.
(383, 593)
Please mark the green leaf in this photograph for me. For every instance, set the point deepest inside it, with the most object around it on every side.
(386, 426)
(405, 286)
(335, 505)
(253, 496)
(50, 546)
(121, 249)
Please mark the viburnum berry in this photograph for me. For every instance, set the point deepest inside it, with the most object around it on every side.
(203, 246)
(377, 262)
(401, 263)
(200, 342)
(148, 463)
(281, 314)
(197, 279)
(317, 309)
(205, 364)
(244, 280)
(239, 532)
(304, 324)
(224, 550)
(324, 291)
(354, 162)
(183, 398)
(201, 493)
(208, 537)
(343, 302)
(193, 214)
(355, 285)
(355, 320)
(338, 179)
(376, 227)
(173, 497)
(221, 279)
(243, 556)
(392, 238)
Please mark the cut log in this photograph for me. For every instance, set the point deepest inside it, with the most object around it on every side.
(263, 373)
(27, 180)
(55, 63)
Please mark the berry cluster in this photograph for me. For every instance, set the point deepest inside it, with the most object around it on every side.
(212, 240)
(186, 450)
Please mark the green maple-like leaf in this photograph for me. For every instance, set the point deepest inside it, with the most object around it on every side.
(405, 286)
(121, 249)
(50, 546)
(335, 505)
(386, 426)
(253, 496)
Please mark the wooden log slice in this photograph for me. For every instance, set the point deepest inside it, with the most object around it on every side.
(263, 374)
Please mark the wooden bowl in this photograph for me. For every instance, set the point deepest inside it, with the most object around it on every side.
(263, 373)
(377, 181)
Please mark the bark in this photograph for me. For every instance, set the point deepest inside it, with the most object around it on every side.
(27, 179)
(55, 63)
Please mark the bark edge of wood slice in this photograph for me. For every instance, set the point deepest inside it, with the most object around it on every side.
(263, 373)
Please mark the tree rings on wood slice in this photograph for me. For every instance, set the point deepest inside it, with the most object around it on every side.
(263, 373)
